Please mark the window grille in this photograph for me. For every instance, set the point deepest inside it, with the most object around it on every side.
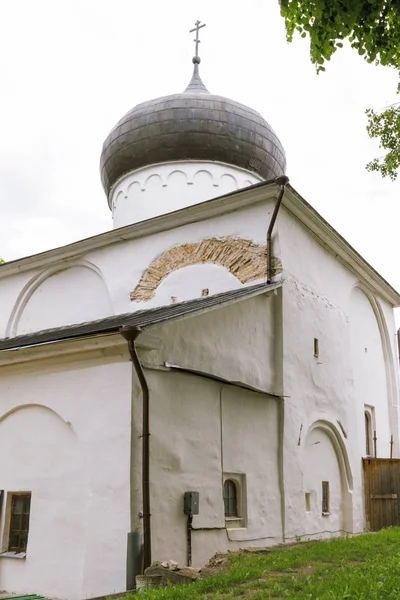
(230, 498)
(325, 497)
(19, 522)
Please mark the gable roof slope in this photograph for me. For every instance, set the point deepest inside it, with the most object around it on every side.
(142, 319)
(325, 234)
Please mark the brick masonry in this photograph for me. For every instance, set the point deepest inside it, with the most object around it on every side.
(244, 259)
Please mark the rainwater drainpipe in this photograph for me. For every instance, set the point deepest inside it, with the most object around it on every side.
(131, 334)
(282, 181)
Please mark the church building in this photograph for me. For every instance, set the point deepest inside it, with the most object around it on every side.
(207, 375)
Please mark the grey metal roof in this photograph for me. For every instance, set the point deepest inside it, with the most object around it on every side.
(141, 318)
(195, 84)
(194, 125)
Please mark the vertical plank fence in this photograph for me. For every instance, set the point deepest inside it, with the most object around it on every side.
(382, 492)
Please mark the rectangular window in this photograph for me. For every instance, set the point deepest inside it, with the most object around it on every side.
(367, 434)
(370, 426)
(325, 497)
(234, 498)
(316, 347)
(19, 522)
(308, 501)
(230, 498)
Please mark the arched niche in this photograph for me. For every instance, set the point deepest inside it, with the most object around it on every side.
(45, 459)
(61, 296)
(326, 466)
(34, 406)
(227, 183)
(373, 376)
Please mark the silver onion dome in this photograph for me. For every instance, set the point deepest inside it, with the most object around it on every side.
(193, 125)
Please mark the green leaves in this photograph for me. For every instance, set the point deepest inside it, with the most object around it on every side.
(371, 26)
(373, 29)
(385, 125)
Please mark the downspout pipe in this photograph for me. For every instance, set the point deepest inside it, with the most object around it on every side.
(282, 181)
(131, 334)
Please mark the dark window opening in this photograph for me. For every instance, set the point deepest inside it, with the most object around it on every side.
(325, 497)
(230, 498)
(19, 522)
(368, 435)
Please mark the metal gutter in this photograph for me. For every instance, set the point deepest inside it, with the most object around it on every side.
(282, 182)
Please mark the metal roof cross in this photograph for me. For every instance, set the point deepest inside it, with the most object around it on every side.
(196, 40)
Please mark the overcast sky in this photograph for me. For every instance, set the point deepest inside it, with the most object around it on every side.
(71, 69)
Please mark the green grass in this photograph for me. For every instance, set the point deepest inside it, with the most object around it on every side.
(363, 567)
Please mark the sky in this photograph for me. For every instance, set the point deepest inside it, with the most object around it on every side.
(71, 69)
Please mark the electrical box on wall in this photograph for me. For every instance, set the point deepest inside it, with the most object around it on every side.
(191, 503)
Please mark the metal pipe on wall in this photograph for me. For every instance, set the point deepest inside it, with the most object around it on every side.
(133, 558)
(189, 539)
(131, 334)
(282, 181)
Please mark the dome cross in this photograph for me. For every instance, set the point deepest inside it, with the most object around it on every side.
(196, 40)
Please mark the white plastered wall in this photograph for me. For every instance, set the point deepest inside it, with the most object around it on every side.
(107, 276)
(65, 437)
(165, 187)
(202, 428)
(78, 290)
(369, 373)
(316, 302)
(191, 415)
(236, 342)
(321, 465)
(319, 301)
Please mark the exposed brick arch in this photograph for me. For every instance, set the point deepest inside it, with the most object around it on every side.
(244, 259)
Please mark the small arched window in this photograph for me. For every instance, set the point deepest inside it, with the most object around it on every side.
(230, 498)
(368, 433)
